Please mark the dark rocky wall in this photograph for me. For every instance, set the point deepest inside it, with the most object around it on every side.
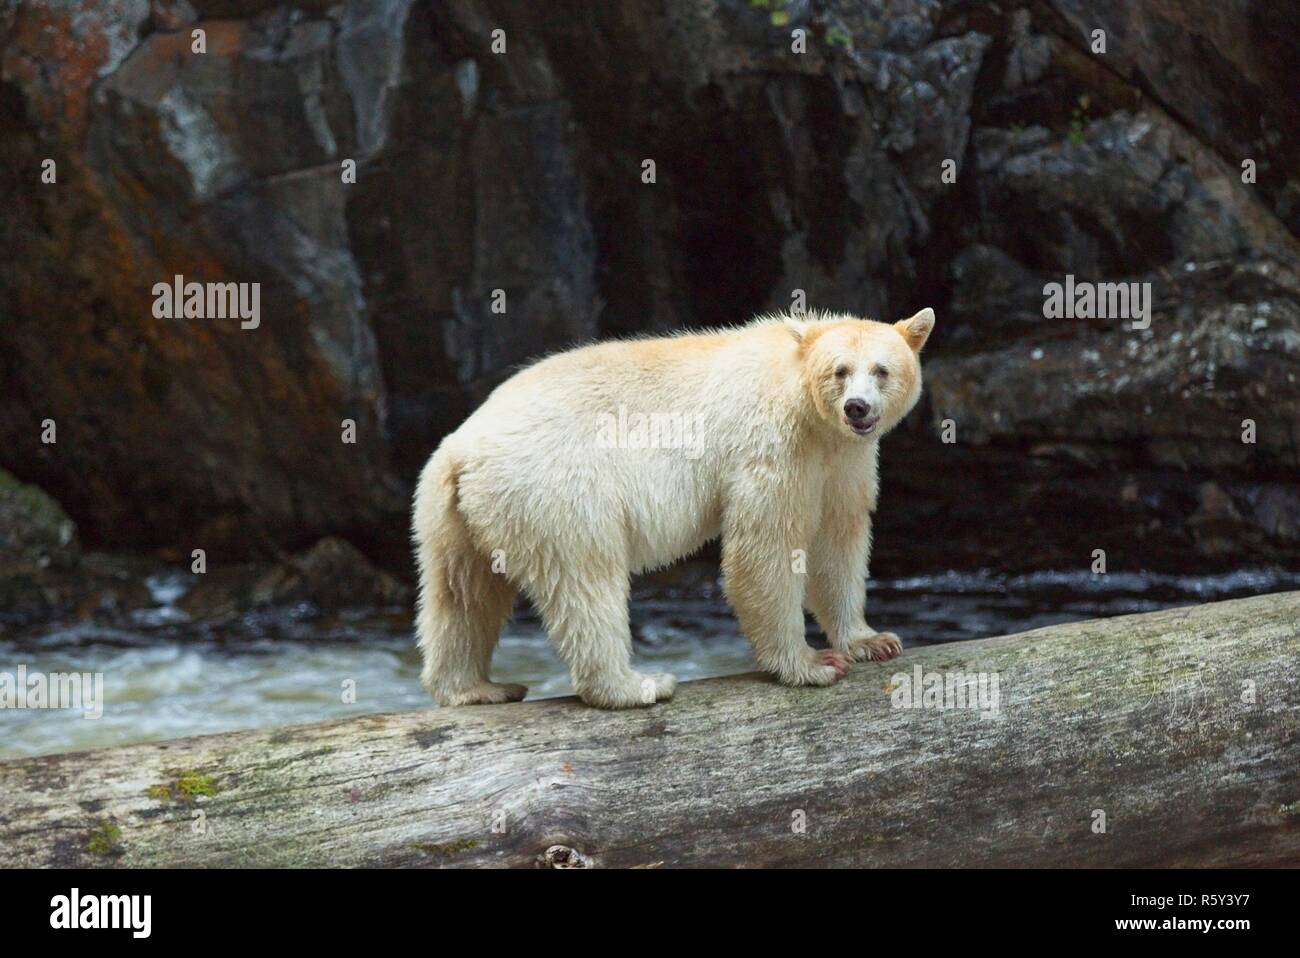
(521, 171)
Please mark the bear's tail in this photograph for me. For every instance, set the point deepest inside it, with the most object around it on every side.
(462, 603)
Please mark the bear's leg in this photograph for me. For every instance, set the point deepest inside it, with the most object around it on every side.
(461, 609)
(837, 586)
(586, 617)
(462, 601)
(767, 595)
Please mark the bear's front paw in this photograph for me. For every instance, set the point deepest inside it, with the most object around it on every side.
(825, 667)
(875, 648)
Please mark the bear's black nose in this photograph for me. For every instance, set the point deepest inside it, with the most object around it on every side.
(857, 410)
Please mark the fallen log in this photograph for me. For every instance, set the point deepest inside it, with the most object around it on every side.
(1169, 738)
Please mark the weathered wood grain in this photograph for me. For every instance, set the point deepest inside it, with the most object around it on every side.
(1147, 718)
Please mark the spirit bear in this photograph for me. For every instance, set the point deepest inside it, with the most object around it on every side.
(555, 487)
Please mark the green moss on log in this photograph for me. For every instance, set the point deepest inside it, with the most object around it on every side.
(106, 839)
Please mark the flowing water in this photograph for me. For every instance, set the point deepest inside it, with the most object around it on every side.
(164, 677)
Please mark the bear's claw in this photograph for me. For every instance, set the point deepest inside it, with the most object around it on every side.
(836, 660)
(876, 648)
(815, 668)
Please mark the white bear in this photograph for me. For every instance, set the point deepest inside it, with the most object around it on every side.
(623, 456)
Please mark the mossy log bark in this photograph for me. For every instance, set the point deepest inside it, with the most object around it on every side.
(1180, 727)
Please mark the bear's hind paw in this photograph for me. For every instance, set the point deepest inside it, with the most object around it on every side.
(665, 685)
(636, 691)
(485, 693)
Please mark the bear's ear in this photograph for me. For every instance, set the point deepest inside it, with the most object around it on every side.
(916, 330)
(796, 328)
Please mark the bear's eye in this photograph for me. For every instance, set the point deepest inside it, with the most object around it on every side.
(841, 372)
(881, 371)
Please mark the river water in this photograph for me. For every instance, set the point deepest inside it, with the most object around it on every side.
(166, 678)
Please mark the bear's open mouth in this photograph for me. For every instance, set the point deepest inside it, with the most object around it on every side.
(864, 427)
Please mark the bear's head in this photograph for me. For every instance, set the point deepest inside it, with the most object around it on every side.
(863, 376)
